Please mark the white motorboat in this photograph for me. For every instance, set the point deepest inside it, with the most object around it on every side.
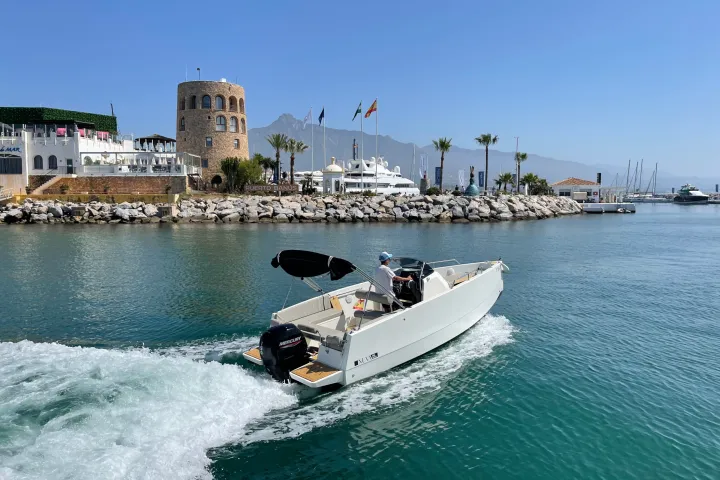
(352, 333)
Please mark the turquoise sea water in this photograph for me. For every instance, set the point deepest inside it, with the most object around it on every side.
(120, 355)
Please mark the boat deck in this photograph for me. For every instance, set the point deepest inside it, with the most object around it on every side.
(314, 371)
(254, 352)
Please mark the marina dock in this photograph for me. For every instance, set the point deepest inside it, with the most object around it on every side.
(620, 207)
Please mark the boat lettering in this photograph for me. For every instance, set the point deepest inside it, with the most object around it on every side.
(289, 343)
(369, 358)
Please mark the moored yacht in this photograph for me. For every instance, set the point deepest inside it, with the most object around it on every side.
(375, 175)
(359, 176)
(689, 194)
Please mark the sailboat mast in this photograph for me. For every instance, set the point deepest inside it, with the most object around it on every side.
(641, 169)
(655, 181)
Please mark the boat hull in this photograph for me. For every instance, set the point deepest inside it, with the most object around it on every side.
(415, 331)
(691, 200)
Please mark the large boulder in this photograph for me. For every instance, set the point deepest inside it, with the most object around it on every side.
(150, 210)
(457, 212)
(56, 211)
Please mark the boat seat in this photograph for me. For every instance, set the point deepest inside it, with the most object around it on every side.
(368, 314)
(319, 317)
(318, 331)
(373, 296)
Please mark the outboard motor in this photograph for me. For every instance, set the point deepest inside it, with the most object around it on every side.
(283, 348)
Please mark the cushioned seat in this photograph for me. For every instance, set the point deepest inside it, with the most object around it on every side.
(373, 296)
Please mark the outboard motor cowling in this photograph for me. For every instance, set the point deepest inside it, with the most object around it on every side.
(283, 348)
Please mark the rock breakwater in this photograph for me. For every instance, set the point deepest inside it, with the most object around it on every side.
(296, 208)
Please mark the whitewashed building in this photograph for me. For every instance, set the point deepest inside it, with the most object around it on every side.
(578, 189)
(71, 150)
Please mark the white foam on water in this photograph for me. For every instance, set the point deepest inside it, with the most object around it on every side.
(211, 351)
(77, 412)
(74, 412)
(400, 385)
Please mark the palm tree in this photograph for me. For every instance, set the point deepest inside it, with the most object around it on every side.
(442, 145)
(292, 147)
(278, 142)
(504, 179)
(486, 139)
(519, 158)
(529, 179)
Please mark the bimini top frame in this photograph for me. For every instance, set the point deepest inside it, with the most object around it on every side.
(304, 264)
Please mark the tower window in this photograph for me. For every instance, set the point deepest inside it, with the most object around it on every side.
(219, 103)
(206, 103)
(233, 124)
(193, 102)
(236, 143)
(242, 125)
(182, 124)
(241, 105)
(204, 163)
(182, 103)
(233, 104)
(220, 125)
(208, 141)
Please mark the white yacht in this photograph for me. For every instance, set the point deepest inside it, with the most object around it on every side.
(375, 174)
(360, 176)
(352, 333)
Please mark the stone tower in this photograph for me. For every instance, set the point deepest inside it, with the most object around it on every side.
(211, 122)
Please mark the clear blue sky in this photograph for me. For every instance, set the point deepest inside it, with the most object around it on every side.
(595, 82)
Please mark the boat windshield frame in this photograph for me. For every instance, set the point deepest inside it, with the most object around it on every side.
(407, 263)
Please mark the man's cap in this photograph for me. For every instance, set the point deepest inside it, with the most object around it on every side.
(385, 256)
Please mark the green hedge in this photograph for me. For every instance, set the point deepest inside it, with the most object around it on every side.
(30, 115)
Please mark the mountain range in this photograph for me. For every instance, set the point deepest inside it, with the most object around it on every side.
(338, 144)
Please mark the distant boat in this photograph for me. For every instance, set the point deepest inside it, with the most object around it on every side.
(690, 195)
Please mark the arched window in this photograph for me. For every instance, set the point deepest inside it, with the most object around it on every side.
(220, 123)
(233, 104)
(182, 103)
(206, 103)
(233, 124)
(193, 102)
(241, 105)
(52, 162)
(219, 103)
(242, 125)
(38, 162)
(182, 124)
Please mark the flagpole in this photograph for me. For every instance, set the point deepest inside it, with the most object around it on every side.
(324, 154)
(362, 155)
(377, 158)
(312, 144)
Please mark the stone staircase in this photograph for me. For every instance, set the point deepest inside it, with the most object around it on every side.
(41, 189)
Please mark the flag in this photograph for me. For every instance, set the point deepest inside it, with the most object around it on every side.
(359, 110)
(322, 115)
(307, 118)
(373, 108)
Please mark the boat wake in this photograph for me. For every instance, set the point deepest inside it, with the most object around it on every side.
(78, 412)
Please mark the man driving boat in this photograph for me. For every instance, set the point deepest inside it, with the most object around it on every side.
(384, 276)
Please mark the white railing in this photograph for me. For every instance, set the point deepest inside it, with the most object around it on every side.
(5, 194)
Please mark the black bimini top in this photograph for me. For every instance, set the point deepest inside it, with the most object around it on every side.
(301, 263)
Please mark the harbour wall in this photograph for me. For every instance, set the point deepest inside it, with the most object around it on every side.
(296, 208)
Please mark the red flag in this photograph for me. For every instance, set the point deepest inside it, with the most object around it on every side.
(373, 108)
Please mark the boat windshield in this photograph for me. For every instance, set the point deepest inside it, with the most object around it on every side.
(413, 265)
